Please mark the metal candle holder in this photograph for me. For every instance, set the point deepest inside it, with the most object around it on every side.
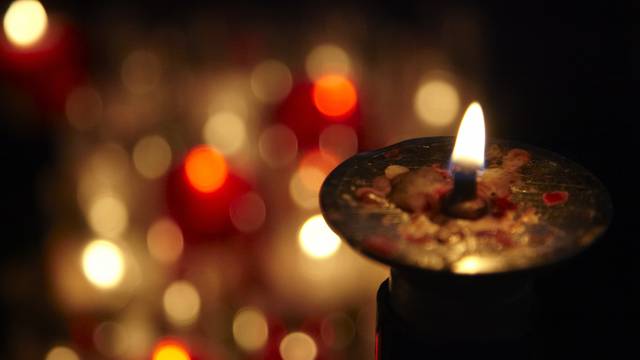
(434, 300)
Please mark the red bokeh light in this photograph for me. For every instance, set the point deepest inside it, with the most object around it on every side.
(205, 168)
(334, 96)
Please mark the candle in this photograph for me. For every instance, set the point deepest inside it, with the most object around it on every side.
(463, 244)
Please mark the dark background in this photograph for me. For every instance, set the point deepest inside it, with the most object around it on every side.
(557, 78)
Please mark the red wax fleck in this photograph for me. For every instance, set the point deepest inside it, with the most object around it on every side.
(380, 244)
(504, 239)
(554, 198)
(392, 154)
(501, 205)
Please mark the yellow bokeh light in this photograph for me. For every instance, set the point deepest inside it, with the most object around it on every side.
(250, 329)
(468, 150)
(298, 346)
(338, 141)
(152, 156)
(108, 216)
(165, 241)
(61, 353)
(271, 81)
(170, 350)
(181, 303)
(141, 71)
(437, 103)
(226, 131)
(25, 22)
(248, 212)
(304, 186)
(316, 239)
(103, 264)
(83, 107)
(327, 59)
(278, 145)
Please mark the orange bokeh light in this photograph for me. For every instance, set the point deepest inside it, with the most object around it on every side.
(170, 350)
(334, 96)
(205, 168)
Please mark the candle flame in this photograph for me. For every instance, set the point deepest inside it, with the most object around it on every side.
(468, 152)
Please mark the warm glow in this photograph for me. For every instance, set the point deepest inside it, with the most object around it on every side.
(473, 264)
(83, 107)
(248, 212)
(103, 264)
(170, 350)
(25, 22)
(278, 145)
(338, 141)
(316, 238)
(301, 194)
(436, 103)
(108, 216)
(165, 241)
(334, 95)
(225, 131)
(61, 353)
(250, 329)
(271, 81)
(141, 71)
(298, 346)
(468, 151)
(181, 303)
(327, 59)
(206, 168)
(152, 156)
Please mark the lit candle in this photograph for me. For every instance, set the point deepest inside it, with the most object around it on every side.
(467, 159)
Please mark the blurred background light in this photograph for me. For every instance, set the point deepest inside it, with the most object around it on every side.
(206, 168)
(141, 71)
(152, 156)
(278, 145)
(301, 194)
(338, 141)
(170, 350)
(181, 303)
(61, 353)
(334, 96)
(84, 107)
(25, 22)
(103, 264)
(338, 331)
(327, 59)
(165, 241)
(298, 346)
(271, 81)
(248, 212)
(250, 329)
(108, 216)
(110, 339)
(316, 239)
(437, 103)
(226, 131)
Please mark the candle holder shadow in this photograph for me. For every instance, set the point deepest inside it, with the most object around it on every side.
(462, 281)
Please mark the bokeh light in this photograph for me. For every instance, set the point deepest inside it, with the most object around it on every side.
(437, 103)
(334, 96)
(108, 216)
(103, 264)
(170, 350)
(316, 239)
(152, 156)
(298, 346)
(301, 194)
(206, 168)
(248, 212)
(250, 329)
(83, 107)
(271, 81)
(25, 22)
(181, 303)
(165, 241)
(327, 59)
(278, 145)
(61, 353)
(338, 141)
(226, 131)
(141, 71)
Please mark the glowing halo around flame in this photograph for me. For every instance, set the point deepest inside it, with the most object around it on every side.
(468, 152)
